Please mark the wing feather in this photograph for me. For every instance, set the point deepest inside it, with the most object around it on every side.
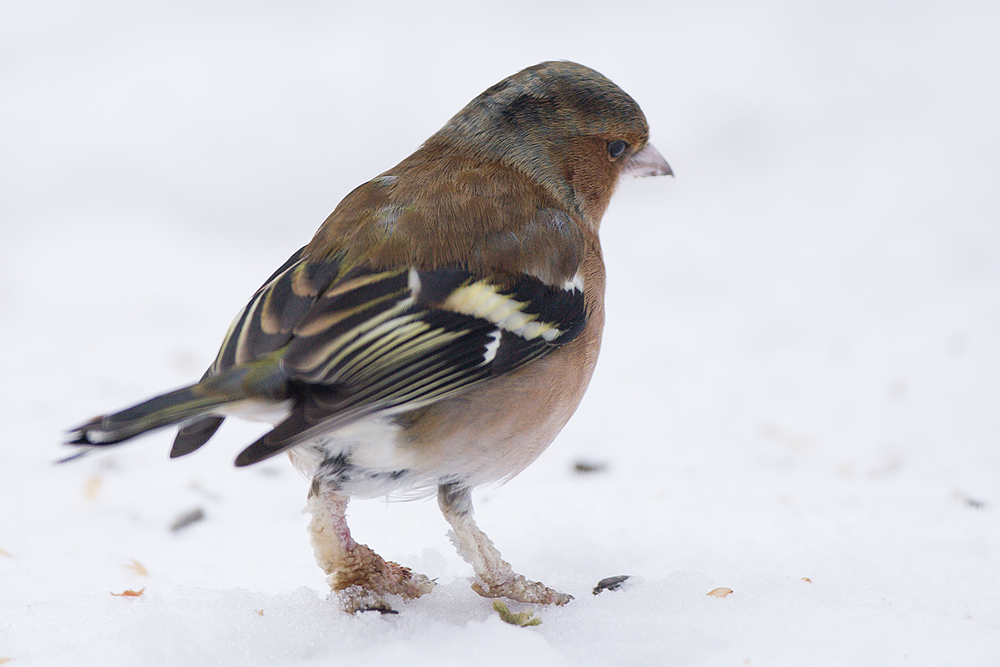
(395, 340)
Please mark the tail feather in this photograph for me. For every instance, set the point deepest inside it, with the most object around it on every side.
(200, 408)
(192, 436)
(166, 410)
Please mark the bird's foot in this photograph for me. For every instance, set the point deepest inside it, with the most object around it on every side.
(362, 583)
(523, 590)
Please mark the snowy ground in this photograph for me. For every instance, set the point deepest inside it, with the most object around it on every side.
(797, 399)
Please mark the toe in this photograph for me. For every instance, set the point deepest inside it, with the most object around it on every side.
(358, 598)
(523, 590)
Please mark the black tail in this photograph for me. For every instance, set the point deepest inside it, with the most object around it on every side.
(175, 407)
(199, 408)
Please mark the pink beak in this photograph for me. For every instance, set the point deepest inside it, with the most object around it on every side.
(647, 162)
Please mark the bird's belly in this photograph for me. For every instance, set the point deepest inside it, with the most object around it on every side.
(380, 456)
(363, 459)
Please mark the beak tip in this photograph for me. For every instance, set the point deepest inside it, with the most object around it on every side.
(648, 162)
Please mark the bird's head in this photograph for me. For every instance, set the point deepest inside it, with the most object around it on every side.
(563, 124)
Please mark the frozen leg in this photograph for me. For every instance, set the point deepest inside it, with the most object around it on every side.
(358, 575)
(494, 576)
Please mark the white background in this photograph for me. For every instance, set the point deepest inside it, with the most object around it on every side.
(801, 370)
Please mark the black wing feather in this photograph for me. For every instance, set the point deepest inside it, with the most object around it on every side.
(391, 341)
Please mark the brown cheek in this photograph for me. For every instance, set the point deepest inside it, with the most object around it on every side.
(592, 175)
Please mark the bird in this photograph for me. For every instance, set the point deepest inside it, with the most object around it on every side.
(437, 332)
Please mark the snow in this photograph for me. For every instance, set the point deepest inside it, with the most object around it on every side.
(797, 396)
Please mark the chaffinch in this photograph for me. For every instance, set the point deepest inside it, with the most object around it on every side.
(437, 332)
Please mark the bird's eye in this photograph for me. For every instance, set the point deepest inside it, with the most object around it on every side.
(616, 148)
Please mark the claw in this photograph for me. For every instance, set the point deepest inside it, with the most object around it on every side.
(358, 598)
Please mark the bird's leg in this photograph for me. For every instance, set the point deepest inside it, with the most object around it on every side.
(494, 576)
(358, 576)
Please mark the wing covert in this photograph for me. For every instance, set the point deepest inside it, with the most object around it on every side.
(394, 340)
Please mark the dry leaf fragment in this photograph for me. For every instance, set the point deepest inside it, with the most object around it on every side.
(5, 660)
(138, 568)
(92, 488)
(5, 553)
(807, 580)
(260, 612)
(129, 593)
(521, 618)
(720, 592)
